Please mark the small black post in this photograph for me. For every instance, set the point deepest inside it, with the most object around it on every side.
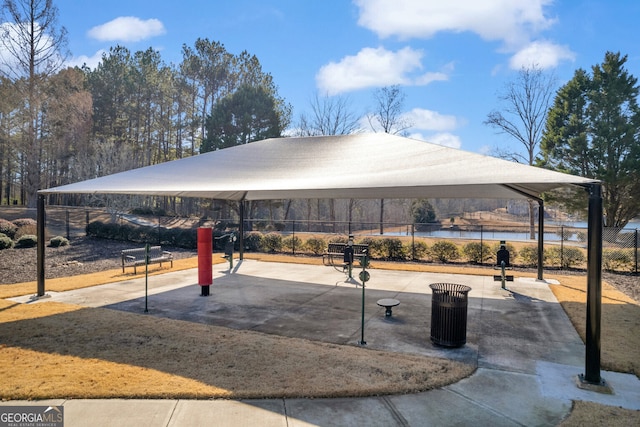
(540, 239)
(364, 277)
(241, 230)
(67, 218)
(594, 286)
(41, 220)
(146, 277)
(635, 249)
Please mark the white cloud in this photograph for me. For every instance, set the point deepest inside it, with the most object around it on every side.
(374, 67)
(430, 120)
(127, 29)
(542, 54)
(508, 20)
(90, 61)
(444, 139)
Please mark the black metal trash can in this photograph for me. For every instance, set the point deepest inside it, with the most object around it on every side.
(449, 314)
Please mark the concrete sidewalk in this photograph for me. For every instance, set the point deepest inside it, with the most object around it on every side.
(528, 354)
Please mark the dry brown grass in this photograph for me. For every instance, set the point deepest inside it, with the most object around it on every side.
(54, 350)
(595, 414)
(620, 325)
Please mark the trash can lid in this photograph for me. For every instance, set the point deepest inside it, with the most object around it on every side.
(449, 287)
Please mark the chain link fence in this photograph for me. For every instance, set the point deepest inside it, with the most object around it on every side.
(565, 247)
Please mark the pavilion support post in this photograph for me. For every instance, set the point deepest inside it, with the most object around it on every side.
(540, 239)
(241, 230)
(594, 287)
(40, 217)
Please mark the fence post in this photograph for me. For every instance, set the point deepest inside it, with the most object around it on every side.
(481, 244)
(562, 247)
(635, 247)
(67, 221)
(293, 239)
(413, 243)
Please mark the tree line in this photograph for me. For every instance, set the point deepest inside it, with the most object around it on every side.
(65, 124)
(132, 110)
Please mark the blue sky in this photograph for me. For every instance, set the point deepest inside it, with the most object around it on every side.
(451, 58)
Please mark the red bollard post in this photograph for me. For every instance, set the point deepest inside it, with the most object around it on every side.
(205, 268)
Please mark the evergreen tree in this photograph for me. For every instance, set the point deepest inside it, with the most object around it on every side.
(248, 115)
(593, 130)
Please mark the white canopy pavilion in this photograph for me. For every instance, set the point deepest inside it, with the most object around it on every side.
(360, 166)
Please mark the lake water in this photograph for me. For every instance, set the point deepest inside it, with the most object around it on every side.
(454, 233)
(486, 235)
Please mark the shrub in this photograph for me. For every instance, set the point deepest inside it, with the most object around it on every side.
(27, 241)
(529, 256)
(184, 238)
(375, 246)
(566, 257)
(25, 230)
(107, 230)
(253, 241)
(23, 222)
(58, 241)
(316, 245)
(572, 257)
(393, 250)
(338, 239)
(148, 211)
(444, 251)
(617, 259)
(477, 252)
(272, 242)
(8, 228)
(94, 228)
(292, 243)
(420, 249)
(5, 242)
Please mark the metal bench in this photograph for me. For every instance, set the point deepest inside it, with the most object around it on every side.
(336, 250)
(136, 257)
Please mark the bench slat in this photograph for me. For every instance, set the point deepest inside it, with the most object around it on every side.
(337, 250)
(136, 257)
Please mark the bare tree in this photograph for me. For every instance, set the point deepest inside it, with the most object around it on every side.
(526, 102)
(329, 116)
(387, 116)
(34, 49)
